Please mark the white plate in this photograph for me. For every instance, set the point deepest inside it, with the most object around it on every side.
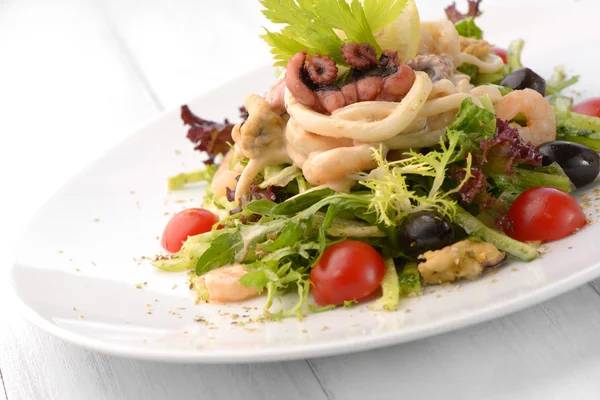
(79, 269)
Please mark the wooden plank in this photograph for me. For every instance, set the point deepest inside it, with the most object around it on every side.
(2, 388)
(550, 351)
(38, 366)
(70, 90)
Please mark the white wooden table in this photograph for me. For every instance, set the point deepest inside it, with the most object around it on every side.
(76, 76)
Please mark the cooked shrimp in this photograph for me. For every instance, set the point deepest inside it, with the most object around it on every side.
(225, 177)
(336, 164)
(307, 143)
(223, 284)
(541, 123)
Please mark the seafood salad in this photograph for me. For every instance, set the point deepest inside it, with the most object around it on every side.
(391, 153)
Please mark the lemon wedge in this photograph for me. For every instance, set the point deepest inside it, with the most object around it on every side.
(402, 35)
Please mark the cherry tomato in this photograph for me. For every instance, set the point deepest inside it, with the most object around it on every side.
(190, 222)
(588, 107)
(544, 213)
(501, 53)
(349, 270)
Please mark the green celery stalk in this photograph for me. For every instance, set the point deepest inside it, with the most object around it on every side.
(526, 179)
(410, 280)
(584, 137)
(177, 182)
(391, 287)
(513, 55)
(578, 121)
(473, 226)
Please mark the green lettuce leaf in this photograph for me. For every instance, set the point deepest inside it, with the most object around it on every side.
(467, 28)
(474, 125)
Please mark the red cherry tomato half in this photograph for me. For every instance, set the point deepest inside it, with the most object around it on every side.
(349, 270)
(545, 214)
(588, 107)
(190, 222)
(501, 53)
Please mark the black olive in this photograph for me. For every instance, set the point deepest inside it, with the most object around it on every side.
(524, 78)
(423, 231)
(579, 162)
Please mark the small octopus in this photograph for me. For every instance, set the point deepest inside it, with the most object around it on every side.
(310, 79)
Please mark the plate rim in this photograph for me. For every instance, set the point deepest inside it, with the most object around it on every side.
(310, 350)
(274, 354)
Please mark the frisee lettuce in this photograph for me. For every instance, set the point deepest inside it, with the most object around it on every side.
(559, 81)
(394, 199)
(310, 25)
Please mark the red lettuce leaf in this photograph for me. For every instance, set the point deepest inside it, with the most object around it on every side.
(272, 193)
(208, 136)
(454, 15)
(499, 155)
(505, 150)
(476, 190)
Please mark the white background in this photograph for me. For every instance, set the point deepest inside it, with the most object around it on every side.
(76, 76)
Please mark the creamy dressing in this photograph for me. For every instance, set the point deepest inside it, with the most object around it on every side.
(250, 234)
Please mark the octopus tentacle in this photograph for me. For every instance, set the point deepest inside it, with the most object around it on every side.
(321, 69)
(359, 56)
(275, 97)
(397, 85)
(294, 83)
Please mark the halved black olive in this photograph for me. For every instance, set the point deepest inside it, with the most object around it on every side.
(579, 162)
(424, 231)
(524, 78)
